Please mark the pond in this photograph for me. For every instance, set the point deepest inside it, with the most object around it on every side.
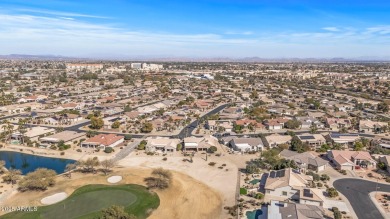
(28, 162)
(253, 214)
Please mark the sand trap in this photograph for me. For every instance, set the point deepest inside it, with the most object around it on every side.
(114, 179)
(54, 198)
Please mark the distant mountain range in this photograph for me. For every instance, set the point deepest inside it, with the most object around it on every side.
(196, 59)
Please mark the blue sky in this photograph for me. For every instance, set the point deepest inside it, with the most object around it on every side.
(196, 28)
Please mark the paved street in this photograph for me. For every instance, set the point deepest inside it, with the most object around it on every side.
(357, 192)
(186, 131)
(126, 151)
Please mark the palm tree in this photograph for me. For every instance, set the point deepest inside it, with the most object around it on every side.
(9, 127)
(22, 128)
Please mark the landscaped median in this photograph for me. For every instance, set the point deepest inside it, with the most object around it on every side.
(88, 201)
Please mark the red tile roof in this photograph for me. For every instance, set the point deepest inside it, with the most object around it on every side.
(104, 139)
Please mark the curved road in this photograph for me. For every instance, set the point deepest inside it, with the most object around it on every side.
(357, 192)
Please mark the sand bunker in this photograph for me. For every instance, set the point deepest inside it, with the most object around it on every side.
(54, 198)
(114, 179)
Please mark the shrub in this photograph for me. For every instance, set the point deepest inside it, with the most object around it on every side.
(108, 150)
(212, 164)
(212, 149)
(336, 213)
(79, 150)
(127, 137)
(319, 184)
(344, 172)
(165, 159)
(332, 192)
(243, 191)
(316, 177)
(160, 179)
(62, 153)
(179, 147)
(53, 147)
(259, 196)
(40, 179)
(325, 177)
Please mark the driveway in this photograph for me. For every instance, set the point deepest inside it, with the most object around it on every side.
(357, 192)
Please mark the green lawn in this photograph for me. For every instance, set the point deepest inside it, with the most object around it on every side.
(243, 191)
(87, 201)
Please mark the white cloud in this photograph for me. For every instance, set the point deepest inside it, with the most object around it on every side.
(239, 33)
(65, 35)
(59, 13)
(332, 29)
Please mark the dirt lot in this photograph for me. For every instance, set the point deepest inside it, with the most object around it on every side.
(223, 181)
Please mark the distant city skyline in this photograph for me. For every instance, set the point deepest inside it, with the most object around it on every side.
(202, 28)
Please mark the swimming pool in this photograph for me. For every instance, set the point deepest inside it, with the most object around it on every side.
(253, 214)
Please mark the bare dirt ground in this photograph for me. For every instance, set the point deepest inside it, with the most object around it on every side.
(383, 201)
(222, 180)
(185, 198)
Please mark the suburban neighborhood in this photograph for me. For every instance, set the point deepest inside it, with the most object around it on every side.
(272, 140)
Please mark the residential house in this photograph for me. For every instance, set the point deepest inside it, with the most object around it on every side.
(200, 143)
(276, 139)
(345, 139)
(286, 183)
(161, 144)
(246, 123)
(68, 137)
(312, 197)
(217, 125)
(384, 142)
(368, 126)
(350, 160)
(102, 141)
(284, 210)
(305, 161)
(71, 106)
(336, 124)
(308, 122)
(33, 133)
(32, 98)
(233, 113)
(313, 140)
(247, 144)
(275, 124)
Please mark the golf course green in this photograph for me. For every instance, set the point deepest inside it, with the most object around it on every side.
(87, 202)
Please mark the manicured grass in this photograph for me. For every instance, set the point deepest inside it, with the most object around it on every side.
(243, 191)
(87, 201)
